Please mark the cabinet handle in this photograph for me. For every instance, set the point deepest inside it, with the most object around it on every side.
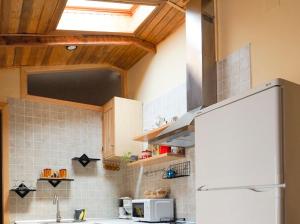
(259, 188)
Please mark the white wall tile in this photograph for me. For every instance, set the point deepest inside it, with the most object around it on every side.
(234, 73)
(43, 136)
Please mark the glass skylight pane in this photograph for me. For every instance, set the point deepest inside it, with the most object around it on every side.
(97, 21)
(98, 4)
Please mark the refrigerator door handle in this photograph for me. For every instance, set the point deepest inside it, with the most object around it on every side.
(258, 188)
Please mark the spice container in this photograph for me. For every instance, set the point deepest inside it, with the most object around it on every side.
(47, 172)
(164, 149)
(63, 173)
(146, 154)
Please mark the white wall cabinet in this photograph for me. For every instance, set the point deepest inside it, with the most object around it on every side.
(122, 121)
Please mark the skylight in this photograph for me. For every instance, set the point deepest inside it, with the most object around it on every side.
(98, 4)
(99, 16)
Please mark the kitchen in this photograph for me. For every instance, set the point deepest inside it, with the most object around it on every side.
(253, 46)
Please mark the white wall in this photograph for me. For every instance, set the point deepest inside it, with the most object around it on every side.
(271, 26)
(156, 74)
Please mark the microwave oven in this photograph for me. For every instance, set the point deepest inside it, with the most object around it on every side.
(153, 210)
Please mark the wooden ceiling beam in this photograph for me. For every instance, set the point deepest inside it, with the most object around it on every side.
(11, 40)
(139, 2)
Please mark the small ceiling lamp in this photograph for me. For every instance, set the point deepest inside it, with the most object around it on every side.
(71, 47)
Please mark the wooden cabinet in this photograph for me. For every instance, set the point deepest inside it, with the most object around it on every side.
(122, 121)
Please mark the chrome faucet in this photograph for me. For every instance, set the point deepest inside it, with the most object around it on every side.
(56, 201)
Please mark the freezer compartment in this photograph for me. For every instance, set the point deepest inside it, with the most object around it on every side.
(240, 143)
(238, 206)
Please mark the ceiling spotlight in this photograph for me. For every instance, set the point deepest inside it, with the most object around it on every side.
(71, 47)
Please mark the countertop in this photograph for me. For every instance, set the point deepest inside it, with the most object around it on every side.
(89, 221)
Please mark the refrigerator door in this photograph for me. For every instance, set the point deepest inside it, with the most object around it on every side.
(239, 206)
(240, 144)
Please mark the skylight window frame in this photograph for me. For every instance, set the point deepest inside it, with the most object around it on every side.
(127, 12)
(134, 14)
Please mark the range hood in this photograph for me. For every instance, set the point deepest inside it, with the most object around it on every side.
(201, 73)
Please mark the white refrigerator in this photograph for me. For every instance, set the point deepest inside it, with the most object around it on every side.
(247, 156)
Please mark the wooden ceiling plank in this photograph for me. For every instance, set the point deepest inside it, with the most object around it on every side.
(113, 56)
(164, 24)
(61, 4)
(148, 20)
(17, 56)
(167, 28)
(58, 56)
(127, 55)
(37, 54)
(4, 15)
(2, 57)
(134, 60)
(96, 53)
(38, 7)
(47, 56)
(141, 2)
(46, 16)
(89, 55)
(154, 22)
(14, 15)
(174, 5)
(123, 55)
(171, 29)
(31, 12)
(180, 3)
(77, 55)
(40, 40)
(104, 53)
(25, 58)
(10, 55)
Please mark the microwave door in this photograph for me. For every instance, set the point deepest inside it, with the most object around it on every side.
(138, 210)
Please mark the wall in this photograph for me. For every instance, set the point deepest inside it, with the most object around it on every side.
(158, 73)
(159, 81)
(271, 28)
(9, 83)
(234, 73)
(49, 136)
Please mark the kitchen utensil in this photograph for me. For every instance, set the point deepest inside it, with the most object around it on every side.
(170, 173)
(80, 215)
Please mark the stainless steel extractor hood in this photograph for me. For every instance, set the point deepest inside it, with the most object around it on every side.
(201, 73)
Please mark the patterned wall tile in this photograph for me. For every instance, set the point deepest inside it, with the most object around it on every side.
(49, 136)
(234, 73)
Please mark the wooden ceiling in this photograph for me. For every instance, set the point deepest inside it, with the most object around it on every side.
(28, 35)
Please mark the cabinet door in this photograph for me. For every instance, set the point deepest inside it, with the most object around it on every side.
(108, 133)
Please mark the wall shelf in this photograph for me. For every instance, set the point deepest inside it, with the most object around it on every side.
(150, 134)
(55, 181)
(157, 159)
(84, 160)
(22, 190)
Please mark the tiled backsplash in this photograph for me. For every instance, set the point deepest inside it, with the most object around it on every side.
(181, 189)
(49, 136)
(168, 105)
(234, 73)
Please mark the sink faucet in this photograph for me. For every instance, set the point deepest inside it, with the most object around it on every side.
(56, 201)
